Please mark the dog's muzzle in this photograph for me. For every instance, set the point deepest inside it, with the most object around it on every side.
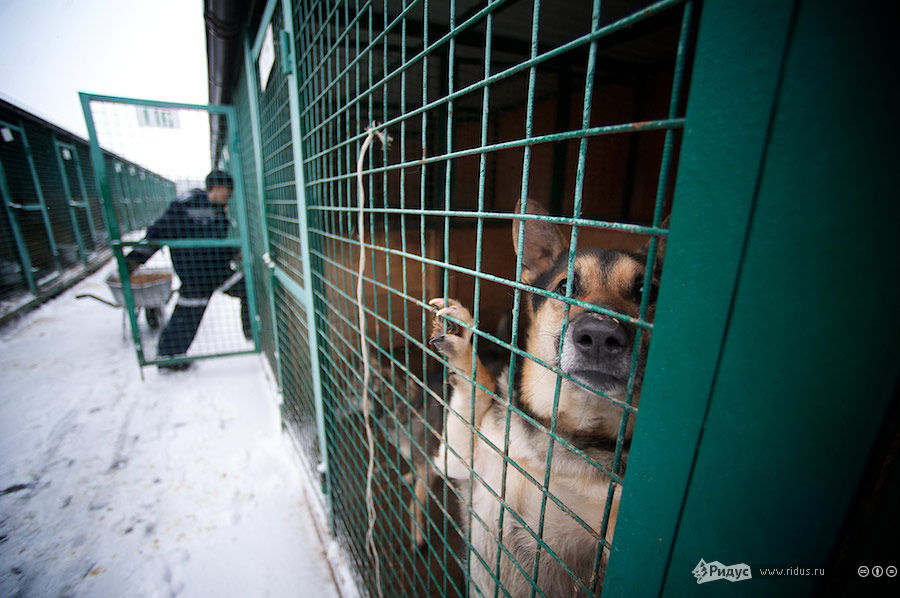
(598, 339)
(598, 351)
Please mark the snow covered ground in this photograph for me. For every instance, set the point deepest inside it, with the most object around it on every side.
(180, 485)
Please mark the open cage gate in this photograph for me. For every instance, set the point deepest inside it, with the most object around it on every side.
(487, 104)
(173, 227)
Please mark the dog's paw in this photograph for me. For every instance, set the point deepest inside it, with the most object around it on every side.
(455, 340)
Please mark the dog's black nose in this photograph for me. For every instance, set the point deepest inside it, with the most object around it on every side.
(598, 338)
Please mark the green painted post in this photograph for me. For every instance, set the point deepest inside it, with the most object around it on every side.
(84, 196)
(253, 100)
(237, 173)
(309, 299)
(123, 179)
(801, 391)
(131, 198)
(112, 223)
(71, 204)
(45, 215)
(750, 387)
(21, 246)
(116, 191)
(141, 197)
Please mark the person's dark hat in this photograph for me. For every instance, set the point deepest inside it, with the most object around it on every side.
(219, 178)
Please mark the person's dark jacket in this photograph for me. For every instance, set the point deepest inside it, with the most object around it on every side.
(192, 216)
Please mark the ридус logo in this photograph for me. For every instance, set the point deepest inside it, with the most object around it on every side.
(715, 570)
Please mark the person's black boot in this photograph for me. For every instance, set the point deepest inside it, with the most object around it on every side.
(174, 367)
(178, 366)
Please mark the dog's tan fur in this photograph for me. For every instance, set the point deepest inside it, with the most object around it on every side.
(587, 420)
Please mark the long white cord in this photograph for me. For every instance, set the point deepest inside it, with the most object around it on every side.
(364, 347)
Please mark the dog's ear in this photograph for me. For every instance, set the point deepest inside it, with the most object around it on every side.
(544, 243)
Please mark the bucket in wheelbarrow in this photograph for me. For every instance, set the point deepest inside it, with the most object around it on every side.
(151, 290)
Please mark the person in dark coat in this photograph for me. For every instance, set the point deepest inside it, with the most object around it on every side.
(198, 214)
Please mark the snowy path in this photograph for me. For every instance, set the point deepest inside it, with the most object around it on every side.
(182, 485)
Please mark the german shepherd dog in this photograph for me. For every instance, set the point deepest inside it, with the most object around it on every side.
(597, 352)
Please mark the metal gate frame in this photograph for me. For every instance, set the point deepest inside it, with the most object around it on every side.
(115, 238)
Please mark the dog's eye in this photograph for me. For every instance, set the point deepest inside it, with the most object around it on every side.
(637, 291)
(561, 286)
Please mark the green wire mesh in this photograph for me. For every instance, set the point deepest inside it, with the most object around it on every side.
(488, 103)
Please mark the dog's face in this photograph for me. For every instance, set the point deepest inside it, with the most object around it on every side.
(597, 350)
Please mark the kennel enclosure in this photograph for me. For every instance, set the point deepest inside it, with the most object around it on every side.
(738, 118)
(53, 230)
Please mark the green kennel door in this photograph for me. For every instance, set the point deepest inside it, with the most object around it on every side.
(145, 154)
(26, 209)
(76, 198)
(273, 102)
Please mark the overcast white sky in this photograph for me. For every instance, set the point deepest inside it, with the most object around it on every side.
(52, 49)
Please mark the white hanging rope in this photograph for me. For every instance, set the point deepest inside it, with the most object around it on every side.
(364, 347)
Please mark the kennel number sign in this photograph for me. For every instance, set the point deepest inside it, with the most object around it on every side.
(162, 118)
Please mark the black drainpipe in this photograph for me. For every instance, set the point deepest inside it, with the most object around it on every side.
(224, 24)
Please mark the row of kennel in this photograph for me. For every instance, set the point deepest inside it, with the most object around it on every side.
(735, 118)
(53, 225)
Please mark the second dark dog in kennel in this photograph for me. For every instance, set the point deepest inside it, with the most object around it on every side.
(597, 351)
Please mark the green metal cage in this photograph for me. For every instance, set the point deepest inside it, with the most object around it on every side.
(488, 104)
(612, 115)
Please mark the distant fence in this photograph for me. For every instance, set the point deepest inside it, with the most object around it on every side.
(52, 231)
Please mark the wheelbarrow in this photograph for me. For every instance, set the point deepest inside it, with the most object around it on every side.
(151, 289)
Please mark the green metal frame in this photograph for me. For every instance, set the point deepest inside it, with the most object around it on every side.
(21, 247)
(116, 242)
(252, 86)
(122, 196)
(71, 202)
(40, 206)
(303, 295)
(129, 197)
